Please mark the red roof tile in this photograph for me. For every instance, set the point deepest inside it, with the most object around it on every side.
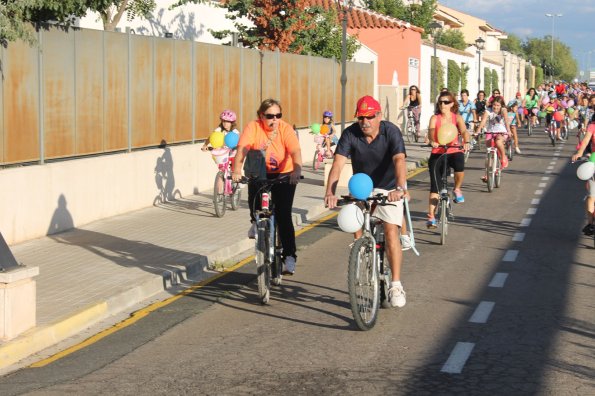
(361, 18)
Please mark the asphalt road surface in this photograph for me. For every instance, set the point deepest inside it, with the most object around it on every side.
(505, 307)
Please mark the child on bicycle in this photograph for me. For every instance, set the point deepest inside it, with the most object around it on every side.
(550, 108)
(227, 125)
(513, 116)
(327, 129)
(497, 129)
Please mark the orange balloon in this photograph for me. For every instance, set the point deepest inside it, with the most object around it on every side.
(447, 133)
(324, 129)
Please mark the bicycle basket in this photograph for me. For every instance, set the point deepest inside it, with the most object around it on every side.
(220, 155)
(255, 165)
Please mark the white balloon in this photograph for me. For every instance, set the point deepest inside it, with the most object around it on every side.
(351, 218)
(586, 170)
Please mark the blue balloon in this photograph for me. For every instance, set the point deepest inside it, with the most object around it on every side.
(360, 186)
(232, 139)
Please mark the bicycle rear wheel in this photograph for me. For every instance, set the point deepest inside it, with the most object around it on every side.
(219, 194)
(564, 130)
(263, 268)
(236, 196)
(530, 127)
(363, 284)
(443, 220)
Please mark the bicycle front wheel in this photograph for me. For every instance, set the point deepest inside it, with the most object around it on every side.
(363, 284)
(530, 128)
(491, 170)
(443, 221)
(236, 196)
(219, 194)
(263, 268)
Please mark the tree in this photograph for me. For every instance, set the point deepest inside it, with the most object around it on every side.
(452, 38)
(513, 45)
(487, 81)
(111, 11)
(538, 50)
(464, 76)
(325, 37)
(454, 76)
(439, 67)
(276, 23)
(419, 13)
(495, 82)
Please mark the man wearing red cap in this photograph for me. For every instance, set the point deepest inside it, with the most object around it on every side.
(377, 149)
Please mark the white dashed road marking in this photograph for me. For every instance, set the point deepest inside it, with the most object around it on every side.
(518, 237)
(535, 201)
(525, 222)
(498, 280)
(541, 185)
(538, 192)
(458, 357)
(482, 312)
(545, 178)
(510, 256)
(532, 211)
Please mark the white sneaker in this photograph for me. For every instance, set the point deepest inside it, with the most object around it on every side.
(289, 265)
(396, 295)
(517, 150)
(405, 242)
(252, 231)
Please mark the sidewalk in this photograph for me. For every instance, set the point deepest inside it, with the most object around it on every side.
(91, 273)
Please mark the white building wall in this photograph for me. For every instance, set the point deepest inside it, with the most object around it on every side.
(366, 55)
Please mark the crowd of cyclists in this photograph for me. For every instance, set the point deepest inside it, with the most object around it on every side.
(376, 148)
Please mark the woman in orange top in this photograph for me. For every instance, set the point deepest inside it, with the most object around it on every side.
(283, 156)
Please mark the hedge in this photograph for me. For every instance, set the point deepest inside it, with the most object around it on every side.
(454, 77)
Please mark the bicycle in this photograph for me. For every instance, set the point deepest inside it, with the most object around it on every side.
(473, 140)
(564, 127)
(267, 245)
(368, 275)
(444, 208)
(509, 149)
(320, 153)
(410, 128)
(551, 131)
(493, 166)
(223, 186)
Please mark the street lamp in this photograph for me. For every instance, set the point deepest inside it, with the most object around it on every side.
(345, 6)
(479, 43)
(434, 26)
(504, 76)
(553, 16)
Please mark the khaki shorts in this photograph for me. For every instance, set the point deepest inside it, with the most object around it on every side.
(391, 213)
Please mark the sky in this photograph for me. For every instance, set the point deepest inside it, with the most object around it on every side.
(526, 18)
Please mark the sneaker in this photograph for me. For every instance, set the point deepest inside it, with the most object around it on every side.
(459, 197)
(504, 163)
(252, 231)
(484, 179)
(289, 265)
(405, 242)
(431, 223)
(396, 295)
(517, 150)
(588, 229)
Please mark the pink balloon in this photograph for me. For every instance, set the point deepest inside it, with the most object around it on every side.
(570, 103)
(535, 110)
(564, 104)
(545, 100)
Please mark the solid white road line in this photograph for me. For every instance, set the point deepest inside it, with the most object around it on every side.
(525, 222)
(518, 237)
(498, 280)
(482, 312)
(458, 357)
(510, 256)
(535, 201)
(531, 211)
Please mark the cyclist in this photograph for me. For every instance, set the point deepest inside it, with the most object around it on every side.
(467, 109)
(376, 147)
(413, 104)
(514, 119)
(480, 108)
(276, 139)
(550, 108)
(330, 137)
(227, 124)
(495, 93)
(530, 102)
(497, 128)
(446, 112)
(588, 141)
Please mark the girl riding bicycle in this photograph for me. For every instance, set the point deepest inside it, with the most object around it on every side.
(514, 119)
(327, 129)
(530, 102)
(446, 113)
(497, 129)
(413, 104)
(223, 156)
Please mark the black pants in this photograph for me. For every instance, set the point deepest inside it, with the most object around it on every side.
(282, 195)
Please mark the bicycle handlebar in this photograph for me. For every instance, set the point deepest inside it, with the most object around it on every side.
(269, 182)
(379, 198)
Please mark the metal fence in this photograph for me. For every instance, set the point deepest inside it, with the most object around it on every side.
(86, 92)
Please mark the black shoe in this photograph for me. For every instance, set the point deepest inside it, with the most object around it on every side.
(588, 230)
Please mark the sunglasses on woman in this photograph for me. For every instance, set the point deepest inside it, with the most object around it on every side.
(271, 116)
(445, 102)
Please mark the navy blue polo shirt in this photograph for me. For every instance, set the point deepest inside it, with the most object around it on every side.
(376, 158)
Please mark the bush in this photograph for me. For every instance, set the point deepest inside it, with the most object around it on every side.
(495, 80)
(487, 81)
(434, 90)
(464, 76)
(538, 76)
(454, 77)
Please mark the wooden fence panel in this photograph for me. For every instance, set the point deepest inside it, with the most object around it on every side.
(165, 94)
(142, 92)
(89, 92)
(20, 103)
(183, 91)
(59, 93)
(115, 88)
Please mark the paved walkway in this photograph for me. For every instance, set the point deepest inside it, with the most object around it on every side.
(90, 273)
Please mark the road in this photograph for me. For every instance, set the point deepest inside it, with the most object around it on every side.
(506, 307)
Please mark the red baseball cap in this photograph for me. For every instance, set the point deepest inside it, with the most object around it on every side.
(367, 106)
